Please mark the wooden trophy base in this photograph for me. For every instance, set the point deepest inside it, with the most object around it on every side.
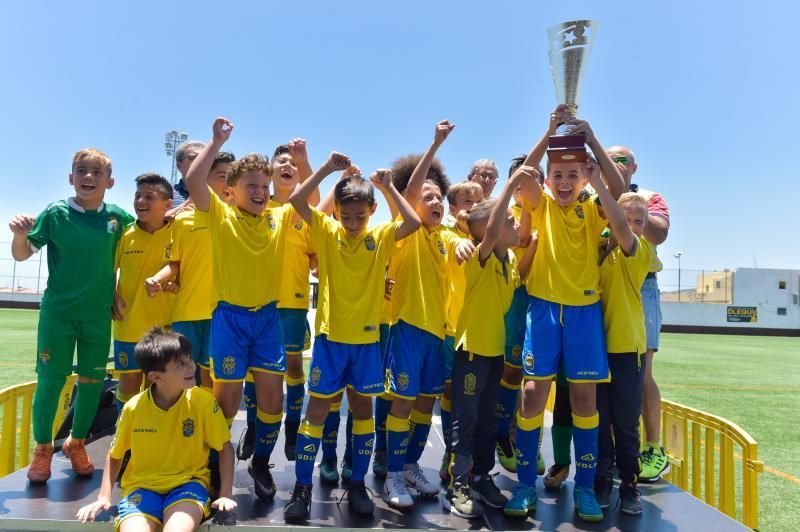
(566, 149)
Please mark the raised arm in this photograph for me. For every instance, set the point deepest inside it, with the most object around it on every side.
(500, 211)
(614, 214)
(327, 203)
(20, 226)
(559, 116)
(197, 174)
(609, 172)
(420, 173)
(299, 153)
(382, 179)
(299, 198)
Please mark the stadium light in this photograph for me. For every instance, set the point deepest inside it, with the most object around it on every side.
(678, 256)
(173, 139)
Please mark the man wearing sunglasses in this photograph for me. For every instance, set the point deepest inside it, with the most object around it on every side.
(654, 461)
(484, 172)
(184, 155)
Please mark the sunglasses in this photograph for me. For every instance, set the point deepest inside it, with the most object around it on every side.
(622, 160)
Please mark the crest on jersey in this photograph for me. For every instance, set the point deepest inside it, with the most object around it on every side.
(402, 381)
(168, 251)
(470, 383)
(440, 245)
(228, 365)
(270, 220)
(313, 379)
(579, 211)
(299, 225)
(369, 243)
(44, 357)
(188, 427)
(113, 225)
(123, 359)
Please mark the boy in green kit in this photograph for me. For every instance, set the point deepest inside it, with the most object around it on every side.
(82, 234)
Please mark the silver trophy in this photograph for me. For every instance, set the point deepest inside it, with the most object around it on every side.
(570, 47)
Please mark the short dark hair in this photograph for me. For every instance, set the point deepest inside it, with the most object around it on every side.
(161, 183)
(403, 167)
(280, 150)
(222, 158)
(160, 346)
(517, 161)
(251, 161)
(352, 189)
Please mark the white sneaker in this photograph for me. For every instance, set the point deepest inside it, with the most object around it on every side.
(396, 493)
(415, 478)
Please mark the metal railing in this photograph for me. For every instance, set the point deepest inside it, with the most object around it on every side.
(15, 441)
(700, 448)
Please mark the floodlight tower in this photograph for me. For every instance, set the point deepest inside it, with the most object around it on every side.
(173, 139)
(678, 256)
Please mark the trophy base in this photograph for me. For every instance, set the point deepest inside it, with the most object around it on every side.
(566, 149)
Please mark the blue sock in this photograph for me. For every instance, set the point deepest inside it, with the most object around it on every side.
(308, 440)
(267, 428)
(584, 437)
(419, 428)
(250, 400)
(397, 444)
(330, 433)
(348, 446)
(528, 430)
(363, 438)
(445, 410)
(295, 393)
(382, 406)
(506, 405)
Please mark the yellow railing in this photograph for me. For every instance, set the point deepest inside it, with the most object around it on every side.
(700, 448)
(15, 440)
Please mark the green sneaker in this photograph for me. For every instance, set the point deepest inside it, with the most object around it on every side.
(347, 470)
(506, 456)
(586, 505)
(654, 464)
(522, 503)
(328, 473)
(540, 467)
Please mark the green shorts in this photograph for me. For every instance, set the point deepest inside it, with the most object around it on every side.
(57, 340)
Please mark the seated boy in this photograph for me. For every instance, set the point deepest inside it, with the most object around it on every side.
(169, 429)
(625, 262)
(491, 279)
(144, 248)
(81, 234)
(565, 320)
(346, 354)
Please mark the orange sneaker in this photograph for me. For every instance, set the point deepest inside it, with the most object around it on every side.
(39, 470)
(75, 450)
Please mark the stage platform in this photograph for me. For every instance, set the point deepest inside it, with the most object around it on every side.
(53, 506)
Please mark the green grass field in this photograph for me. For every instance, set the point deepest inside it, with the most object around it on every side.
(752, 381)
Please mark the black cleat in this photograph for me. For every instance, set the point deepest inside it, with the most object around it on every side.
(290, 429)
(225, 518)
(359, 500)
(299, 506)
(247, 442)
(262, 479)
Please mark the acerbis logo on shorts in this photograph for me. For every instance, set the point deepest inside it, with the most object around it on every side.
(313, 379)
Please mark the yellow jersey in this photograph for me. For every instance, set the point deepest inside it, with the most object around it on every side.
(351, 278)
(487, 298)
(294, 288)
(419, 269)
(140, 255)
(621, 281)
(191, 246)
(168, 448)
(457, 285)
(564, 269)
(518, 251)
(248, 253)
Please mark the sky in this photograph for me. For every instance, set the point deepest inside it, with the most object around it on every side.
(704, 94)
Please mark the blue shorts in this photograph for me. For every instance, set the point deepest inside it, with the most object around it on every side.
(335, 365)
(449, 350)
(651, 305)
(125, 357)
(296, 332)
(152, 505)
(243, 339)
(198, 332)
(515, 322)
(562, 334)
(414, 362)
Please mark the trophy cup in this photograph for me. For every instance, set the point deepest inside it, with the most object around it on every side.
(570, 47)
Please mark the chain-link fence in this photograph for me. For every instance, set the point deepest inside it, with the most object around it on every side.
(27, 279)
